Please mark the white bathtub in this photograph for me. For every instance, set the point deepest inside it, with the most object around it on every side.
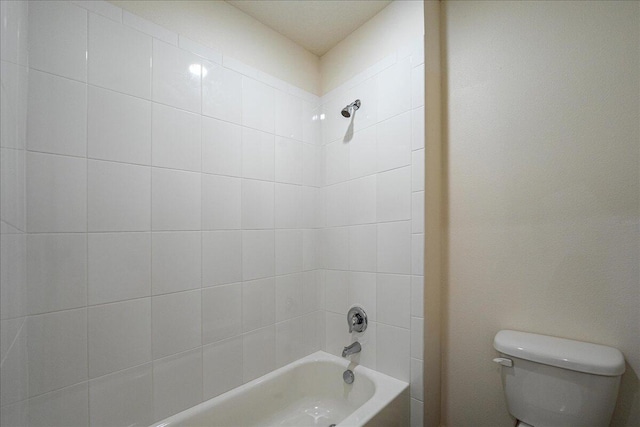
(307, 392)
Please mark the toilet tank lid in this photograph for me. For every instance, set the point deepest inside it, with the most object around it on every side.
(563, 353)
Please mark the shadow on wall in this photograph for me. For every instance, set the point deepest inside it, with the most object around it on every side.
(348, 136)
(627, 397)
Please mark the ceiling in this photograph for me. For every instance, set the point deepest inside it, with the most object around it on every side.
(316, 25)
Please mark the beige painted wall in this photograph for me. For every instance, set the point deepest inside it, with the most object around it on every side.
(543, 183)
(396, 26)
(220, 26)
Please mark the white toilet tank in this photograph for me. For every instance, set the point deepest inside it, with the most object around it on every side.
(556, 382)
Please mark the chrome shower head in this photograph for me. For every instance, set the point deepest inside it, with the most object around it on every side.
(346, 111)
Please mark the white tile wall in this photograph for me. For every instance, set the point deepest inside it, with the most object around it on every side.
(119, 197)
(377, 260)
(119, 127)
(221, 147)
(57, 115)
(179, 205)
(176, 138)
(119, 266)
(58, 39)
(176, 77)
(119, 57)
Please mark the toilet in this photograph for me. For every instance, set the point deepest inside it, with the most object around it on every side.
(556, 382)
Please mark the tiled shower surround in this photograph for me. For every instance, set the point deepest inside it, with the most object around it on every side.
(176, 223)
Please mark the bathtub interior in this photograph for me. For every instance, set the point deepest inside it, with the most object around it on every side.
(310, 394)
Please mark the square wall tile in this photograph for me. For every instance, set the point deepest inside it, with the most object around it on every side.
(221, 312)
(288, 251)
(221, 257)
(14, 103)
(394, 142)
(313, 290)
(312, 215)
(289, 294)
(335, 248)
(15, 369)
(394, 195)
(57, 114)
(417, 170)
(336, 291)
(417, 413)
(336, 161)
(257, 204)
(311, 132)
(258, 254)
(57, 350)
(65, 407)
(13, 195)
(258, 105)
(119, 197)
(394, 300)
(105, 9)
(119, 57)
(393, 346)
(417, 86)
(394, 89)
(222, 366)
(394, 247)
(337, 205)
(221, 202)
(417, 389)
(221, 93)
(258, 304)
(417, 254)
(417, 338)
(13, 289)
(119, 127)
(176, 261)
(417, 128)
(311, 165)
(119, 336)
(176, 323)
(417, 212)
(154, 30)
(58, 39)
(221, 147)
(176, 77)
(363, 151)
(363, 200)
(313, 323)
(176, 200)
(363, 247)
(176, 138)
(13, 40)
(288, 206)
(310, 249)
(417, 296)
(56, 193)
(123, 398)
(56, 271)
(289, 336)
(288, 116)
(288, 160)
(258, 353)
(119, 266)
(177, 383)
(258, 154)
